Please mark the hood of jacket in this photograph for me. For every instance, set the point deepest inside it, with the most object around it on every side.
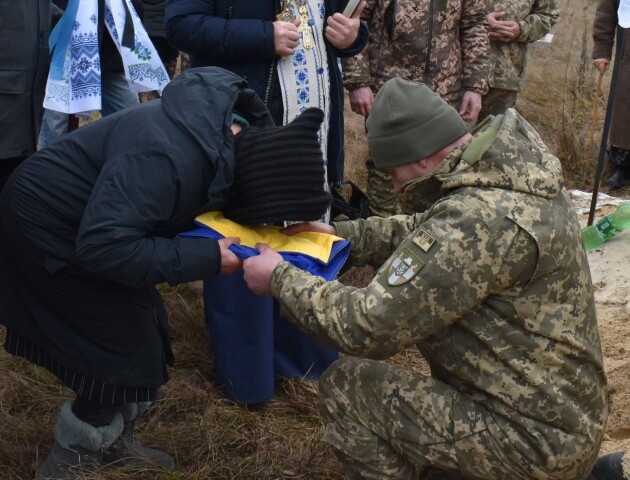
(201, 101)
(505, 152)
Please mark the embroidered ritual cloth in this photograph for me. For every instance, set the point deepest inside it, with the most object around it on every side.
(74, 80)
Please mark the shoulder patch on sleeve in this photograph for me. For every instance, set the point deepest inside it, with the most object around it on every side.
(403, 268)
(423, 240)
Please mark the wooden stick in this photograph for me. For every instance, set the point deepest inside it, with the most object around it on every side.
(598, 91)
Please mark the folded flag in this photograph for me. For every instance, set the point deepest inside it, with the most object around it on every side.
(318, 253)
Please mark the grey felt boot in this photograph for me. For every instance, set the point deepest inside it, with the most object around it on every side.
(126, 450)
(78, 447)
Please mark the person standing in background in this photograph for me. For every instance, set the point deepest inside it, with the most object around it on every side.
(605, 26)
(287, 52)
(154, 23)
(99, 70)
(512, 25)
(24, 61)
(442, 44)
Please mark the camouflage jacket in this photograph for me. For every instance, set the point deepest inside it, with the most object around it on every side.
(509, 59)
(441, 43)
(492, 284)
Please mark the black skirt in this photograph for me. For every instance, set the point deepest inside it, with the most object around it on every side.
(85, 387)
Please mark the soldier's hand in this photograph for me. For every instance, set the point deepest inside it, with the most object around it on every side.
(601, 64)
(319, 227)
(470, 107)
(342, 31)
(257, 270)
(285, 37)
(502, 30)
(361, 100)
(493, 18)
(230, 263)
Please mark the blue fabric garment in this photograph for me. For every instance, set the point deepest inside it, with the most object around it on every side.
(253, 345)
(60, 39)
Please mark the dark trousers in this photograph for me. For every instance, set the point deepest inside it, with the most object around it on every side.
(7, 165)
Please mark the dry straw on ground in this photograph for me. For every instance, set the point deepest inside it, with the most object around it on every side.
(213, 438)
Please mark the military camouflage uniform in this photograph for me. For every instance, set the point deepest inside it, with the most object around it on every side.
(441, 43)
(492, 284)
(509, 59)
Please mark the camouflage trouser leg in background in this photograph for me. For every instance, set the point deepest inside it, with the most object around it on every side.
(496, 102)
(387, 422)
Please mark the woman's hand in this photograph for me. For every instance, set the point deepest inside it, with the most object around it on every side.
(230, 263)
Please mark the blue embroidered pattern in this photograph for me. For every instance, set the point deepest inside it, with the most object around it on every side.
(109, 20)
(58, 92)
(142, 52)
(303, 78)
(139, 71)
(85, 71)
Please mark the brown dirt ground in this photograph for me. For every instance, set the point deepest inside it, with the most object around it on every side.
(611, 282)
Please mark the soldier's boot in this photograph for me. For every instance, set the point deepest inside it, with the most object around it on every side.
(611, 467)
(78, 447)
(620, 161)
(128, 451)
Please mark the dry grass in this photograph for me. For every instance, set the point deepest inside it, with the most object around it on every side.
(213, 438)
(210, 437)
(559, 93)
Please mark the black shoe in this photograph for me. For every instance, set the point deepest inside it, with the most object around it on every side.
(609, 467)
(617, 179)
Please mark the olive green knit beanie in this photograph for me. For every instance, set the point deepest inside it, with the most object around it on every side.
(409, 122)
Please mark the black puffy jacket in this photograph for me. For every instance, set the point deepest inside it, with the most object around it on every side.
(89, 225)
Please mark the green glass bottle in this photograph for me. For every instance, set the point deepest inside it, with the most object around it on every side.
(595, 235)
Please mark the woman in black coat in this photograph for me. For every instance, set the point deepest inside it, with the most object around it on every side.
(88, 227)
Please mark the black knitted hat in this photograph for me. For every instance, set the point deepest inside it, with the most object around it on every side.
(279, 173)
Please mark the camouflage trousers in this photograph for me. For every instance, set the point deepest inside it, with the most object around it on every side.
(496, 102)
(387, 422)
